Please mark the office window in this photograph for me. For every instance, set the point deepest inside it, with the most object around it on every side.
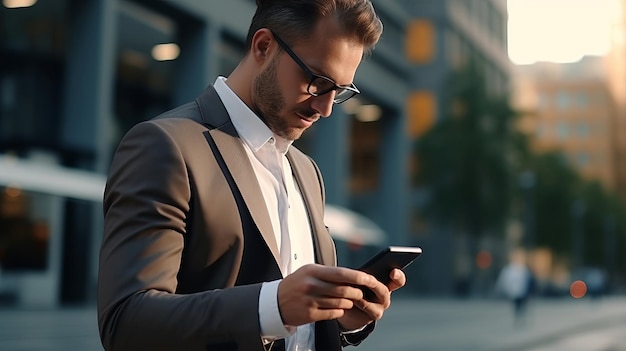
(365, 156)
(231, 52)
(421, 41)
(365, 139)
(146, 52)
(582, 99)
(32, 51)
(583, 130)
(563, 101)
(25, 232)
(562, 130)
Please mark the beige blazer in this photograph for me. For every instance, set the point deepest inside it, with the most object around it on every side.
(187, 237)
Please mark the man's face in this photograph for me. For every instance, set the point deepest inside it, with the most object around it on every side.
(280, 89)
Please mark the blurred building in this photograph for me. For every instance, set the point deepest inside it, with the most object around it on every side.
(578, 109)
(616, 66)
(569, 107)
(77, 74)
(442, 37)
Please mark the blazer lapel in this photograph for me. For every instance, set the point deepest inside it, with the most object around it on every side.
(232, 151)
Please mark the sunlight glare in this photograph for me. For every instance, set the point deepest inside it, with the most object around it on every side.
(559, 30)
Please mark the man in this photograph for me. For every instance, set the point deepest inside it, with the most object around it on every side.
(214, 236)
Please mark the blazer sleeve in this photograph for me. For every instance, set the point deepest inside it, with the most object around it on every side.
(146, 204)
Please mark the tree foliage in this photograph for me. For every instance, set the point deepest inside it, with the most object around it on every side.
(465, 160)
(472, 163)
(554, 195)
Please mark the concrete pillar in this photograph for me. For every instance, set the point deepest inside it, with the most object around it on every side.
(198, 60)
(87, 128)
(330, 149)
(393, 194)
(87, 117)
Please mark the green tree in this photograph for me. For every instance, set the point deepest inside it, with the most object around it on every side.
(576, 218)
(601, 225)
(472, 165)
(555, 193)
(465, 160)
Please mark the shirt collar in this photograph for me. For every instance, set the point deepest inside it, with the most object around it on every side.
(250, 127)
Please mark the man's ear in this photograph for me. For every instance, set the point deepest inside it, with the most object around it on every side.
(263, 44)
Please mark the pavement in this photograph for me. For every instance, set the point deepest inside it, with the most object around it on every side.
(488, 325)
(410, 324)
(67, 329)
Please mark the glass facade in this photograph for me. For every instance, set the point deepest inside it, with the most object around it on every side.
(365, 149)
(33, 49)
(25, 235)
(142, 82)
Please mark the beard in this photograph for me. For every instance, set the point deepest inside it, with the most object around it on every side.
(269, 102)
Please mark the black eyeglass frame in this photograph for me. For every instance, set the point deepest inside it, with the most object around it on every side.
(344, 92)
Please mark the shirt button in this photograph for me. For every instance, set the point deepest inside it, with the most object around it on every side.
(295, 256)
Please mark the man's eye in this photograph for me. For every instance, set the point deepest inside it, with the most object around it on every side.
(323, 84)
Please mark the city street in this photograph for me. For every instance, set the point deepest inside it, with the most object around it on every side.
(410, 324)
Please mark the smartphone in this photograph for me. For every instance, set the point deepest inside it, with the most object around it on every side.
(381, 264)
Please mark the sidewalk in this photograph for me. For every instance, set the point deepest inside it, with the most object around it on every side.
(487, 325)
(67, 329)
(410, 324)
(550, 321)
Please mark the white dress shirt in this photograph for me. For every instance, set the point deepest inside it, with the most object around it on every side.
(287, 211)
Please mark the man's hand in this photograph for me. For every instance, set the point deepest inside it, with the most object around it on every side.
(315, 292)
(366, 311)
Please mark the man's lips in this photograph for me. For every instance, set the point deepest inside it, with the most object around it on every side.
(308, 120)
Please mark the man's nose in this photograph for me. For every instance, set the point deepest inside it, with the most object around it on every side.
(323, 104)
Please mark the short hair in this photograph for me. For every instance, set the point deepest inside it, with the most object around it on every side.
(296, 19)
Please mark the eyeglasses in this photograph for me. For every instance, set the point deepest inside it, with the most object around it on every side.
(320, 85)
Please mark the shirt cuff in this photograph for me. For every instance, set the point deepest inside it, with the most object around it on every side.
(271, 323)
(355, 337)
(353, 331)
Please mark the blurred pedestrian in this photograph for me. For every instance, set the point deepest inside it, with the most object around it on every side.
(516, 283)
